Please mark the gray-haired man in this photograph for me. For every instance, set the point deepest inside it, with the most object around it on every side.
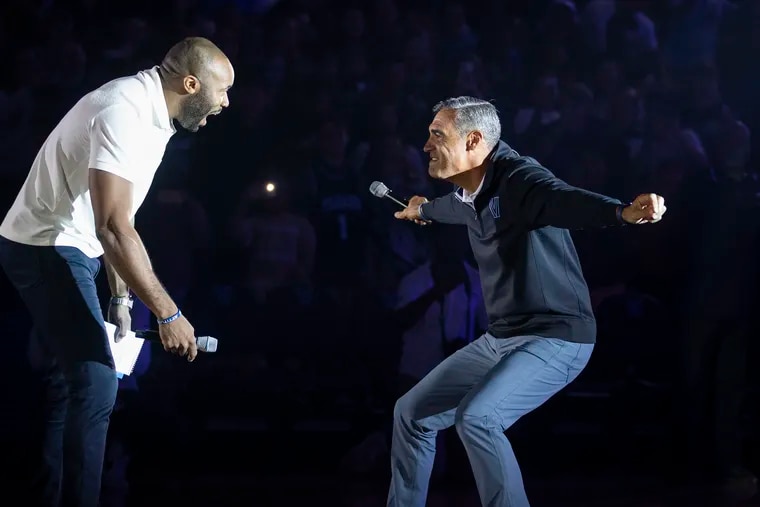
(541, 326)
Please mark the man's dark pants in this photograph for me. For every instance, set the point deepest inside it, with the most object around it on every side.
(57, 285)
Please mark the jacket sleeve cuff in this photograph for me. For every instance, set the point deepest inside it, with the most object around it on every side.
(619, 213)
(421, 214)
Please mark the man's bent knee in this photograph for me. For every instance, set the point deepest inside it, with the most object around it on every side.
(471, 416)
(403, 409)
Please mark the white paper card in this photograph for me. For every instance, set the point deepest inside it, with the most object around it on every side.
(125, 352)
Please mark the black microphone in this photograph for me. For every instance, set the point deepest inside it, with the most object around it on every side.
(204, 343)
(378, 189)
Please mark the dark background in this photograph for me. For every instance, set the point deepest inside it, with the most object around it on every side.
(300, 287)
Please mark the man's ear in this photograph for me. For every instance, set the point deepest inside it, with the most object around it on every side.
(191, 85)
(474, 139)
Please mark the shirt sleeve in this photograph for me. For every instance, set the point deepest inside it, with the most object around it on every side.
(115, 141)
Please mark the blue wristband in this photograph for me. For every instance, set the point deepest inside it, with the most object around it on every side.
(170, 319)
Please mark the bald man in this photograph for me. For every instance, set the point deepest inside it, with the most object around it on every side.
(78, 204)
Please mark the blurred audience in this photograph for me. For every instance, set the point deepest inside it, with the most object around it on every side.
(266, 226)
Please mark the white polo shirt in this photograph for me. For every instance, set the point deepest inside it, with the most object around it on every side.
(123, 128)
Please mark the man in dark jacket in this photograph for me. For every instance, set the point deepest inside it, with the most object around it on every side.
(541, 326)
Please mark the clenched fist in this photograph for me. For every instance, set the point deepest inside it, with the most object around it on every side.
(645, 209)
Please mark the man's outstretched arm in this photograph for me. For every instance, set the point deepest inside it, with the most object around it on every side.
(538, 198)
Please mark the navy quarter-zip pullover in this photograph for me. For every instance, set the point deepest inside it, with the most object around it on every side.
(519, 232)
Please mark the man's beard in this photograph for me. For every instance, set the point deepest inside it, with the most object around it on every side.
(194, 109)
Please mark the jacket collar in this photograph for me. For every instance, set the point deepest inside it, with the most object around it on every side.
(501, 151)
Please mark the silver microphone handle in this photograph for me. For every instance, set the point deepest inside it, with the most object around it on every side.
(389, 196)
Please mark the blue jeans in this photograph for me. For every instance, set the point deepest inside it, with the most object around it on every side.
(57, 285)
(481, 389)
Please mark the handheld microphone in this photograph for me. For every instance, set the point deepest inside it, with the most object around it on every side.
(378, 189)
(204, 343)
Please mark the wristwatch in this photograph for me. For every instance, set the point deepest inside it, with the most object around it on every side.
(122, 300)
